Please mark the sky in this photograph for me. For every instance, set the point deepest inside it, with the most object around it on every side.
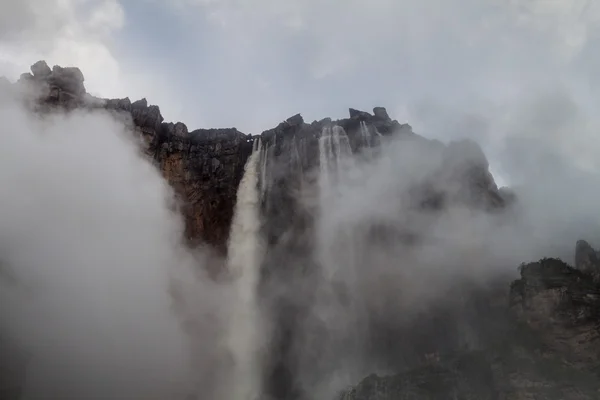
(518, 76)
(450, 68)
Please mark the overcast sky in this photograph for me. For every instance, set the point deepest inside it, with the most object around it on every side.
(448, 67)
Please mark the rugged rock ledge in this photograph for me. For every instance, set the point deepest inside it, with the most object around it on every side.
(541, 337)
(204, 166)
(549, 350)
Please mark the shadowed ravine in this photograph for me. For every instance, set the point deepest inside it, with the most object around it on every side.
(350, 259)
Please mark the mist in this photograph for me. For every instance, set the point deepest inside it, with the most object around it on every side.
(91, 239)
(395, 278)
(108, 302)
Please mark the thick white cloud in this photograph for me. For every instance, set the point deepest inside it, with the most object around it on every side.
(79, 33)
(67, 32)
(449, 67)
(346, 34)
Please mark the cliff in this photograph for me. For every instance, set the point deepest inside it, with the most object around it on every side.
(204, 166)
(538, 337)
(549, 347)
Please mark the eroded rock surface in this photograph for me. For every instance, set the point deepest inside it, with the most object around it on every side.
(550, 351)
(539, 340)
(204, 166)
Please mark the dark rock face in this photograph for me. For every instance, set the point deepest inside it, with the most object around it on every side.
(538, 341)
(562, 304)
(461, 176)
(203, 166)
(466, 377)
(548, 351)
(41, 70)
(587, 259)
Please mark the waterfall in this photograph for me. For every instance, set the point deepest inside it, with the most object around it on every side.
(335, 154)
(324, 158)
(244, 259)
(365, 134)
(371, 137)
(264, 184)
(337, 252)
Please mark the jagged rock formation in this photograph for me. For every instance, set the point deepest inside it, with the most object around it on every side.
(204, 166)
(459, 175)
(537, 341)
(587, 259)
(550, 351)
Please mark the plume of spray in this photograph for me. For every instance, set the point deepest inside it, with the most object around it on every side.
(103, 296)
(335, 308)
(246, 326)
(86, 228)
(389, 264)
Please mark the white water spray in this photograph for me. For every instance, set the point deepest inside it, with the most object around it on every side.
(244, 259)
(335, 153)
(264, 183)
(337, 314)
(365, 134)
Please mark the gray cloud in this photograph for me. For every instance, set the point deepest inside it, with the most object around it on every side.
(514, 76)
(92, 242)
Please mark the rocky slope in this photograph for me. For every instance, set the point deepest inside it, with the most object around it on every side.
(539, 335)
(548, 348)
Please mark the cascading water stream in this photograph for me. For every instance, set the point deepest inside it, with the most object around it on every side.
(264, 183)
(335, 246)
(245, 252)
(335, 154)
(325, 155)
(365, 134)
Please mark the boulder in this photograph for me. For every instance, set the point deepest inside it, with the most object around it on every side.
(586, 258)
(360, 115)
(381, 112)
(69, 79)
(41, 70)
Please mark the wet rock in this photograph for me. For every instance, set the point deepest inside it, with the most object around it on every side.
(146, 116)
(468, 376)
(41, 70)
(360, 115)
(295, 120)
(381, 112)
(204, 166)
(119, 104)
(69, 79)
(586, 258)
(549, 351)
(561, 305)
(556, 305)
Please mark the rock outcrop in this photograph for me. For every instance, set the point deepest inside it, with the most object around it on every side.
(550, 348)
(204, 166)
(538, 340)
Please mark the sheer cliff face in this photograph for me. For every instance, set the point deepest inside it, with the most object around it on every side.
(479, 340)
(204, 166)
